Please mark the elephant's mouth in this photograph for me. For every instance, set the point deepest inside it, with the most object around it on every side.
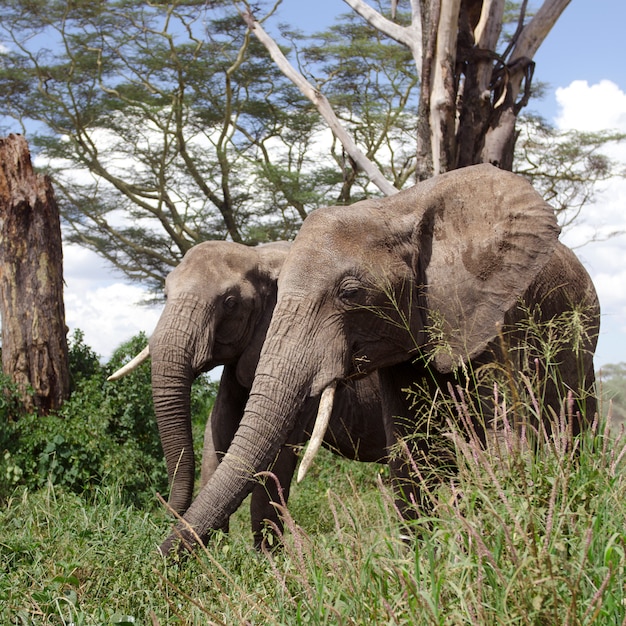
(359, 366)
(357, 362)
(203, 368)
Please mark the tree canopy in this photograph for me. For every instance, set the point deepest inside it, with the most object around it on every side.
(167, 123)
(162, 124)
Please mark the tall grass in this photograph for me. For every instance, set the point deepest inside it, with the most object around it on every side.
(517, 537)
(530, 530)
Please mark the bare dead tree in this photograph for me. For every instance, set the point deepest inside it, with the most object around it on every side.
(471, 90)
(34, 342)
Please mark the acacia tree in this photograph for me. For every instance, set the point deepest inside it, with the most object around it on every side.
(160, 125)
(372, 87)
(164, 124)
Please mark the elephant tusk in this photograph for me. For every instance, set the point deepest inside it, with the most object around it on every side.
(131, 365)
(319, 429)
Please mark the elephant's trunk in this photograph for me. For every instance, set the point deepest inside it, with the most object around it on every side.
(263, 430)
(180, 346)
(282, 385)
(173, 348)
(171, 394)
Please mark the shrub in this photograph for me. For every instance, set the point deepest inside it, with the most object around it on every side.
(105, 432)
(84, 362)
(11, 406)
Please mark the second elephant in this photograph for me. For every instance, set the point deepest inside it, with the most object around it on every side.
(219, 305)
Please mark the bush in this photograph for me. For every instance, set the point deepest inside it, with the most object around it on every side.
(128, 406)
(84, 362)
(105, 433)
(10, 407)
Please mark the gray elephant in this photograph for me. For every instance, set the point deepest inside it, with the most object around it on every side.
(220, 300)
(428, 284)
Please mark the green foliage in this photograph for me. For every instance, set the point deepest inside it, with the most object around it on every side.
(11, 408)
(372, 84)
(11, 405)
(128, 402)
(203, 393)
(105, 433)
(83, 361)
(179, 93)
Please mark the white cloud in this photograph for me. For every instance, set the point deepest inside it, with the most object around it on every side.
(108, 311)
(601, 106)
(591, 107)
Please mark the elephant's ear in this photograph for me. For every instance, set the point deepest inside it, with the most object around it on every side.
(483, 236)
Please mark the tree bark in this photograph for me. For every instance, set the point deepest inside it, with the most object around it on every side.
(34, 341)
(443, 88)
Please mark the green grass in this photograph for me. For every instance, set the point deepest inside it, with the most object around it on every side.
(516, 538)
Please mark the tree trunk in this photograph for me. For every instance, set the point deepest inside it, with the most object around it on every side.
(34, 342)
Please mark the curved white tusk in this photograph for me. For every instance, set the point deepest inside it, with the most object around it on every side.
(319, 430)
(131, 365)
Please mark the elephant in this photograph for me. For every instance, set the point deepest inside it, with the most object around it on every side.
(219, 301)
(428, 284)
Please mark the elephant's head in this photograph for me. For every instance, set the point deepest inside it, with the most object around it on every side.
(429, 272)
(219, 303)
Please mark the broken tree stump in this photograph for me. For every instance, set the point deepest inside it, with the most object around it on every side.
(34, 335)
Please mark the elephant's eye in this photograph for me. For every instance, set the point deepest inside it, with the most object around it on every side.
(230, 302)
(350, 289)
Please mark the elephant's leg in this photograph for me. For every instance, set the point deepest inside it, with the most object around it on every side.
(225, 417)
(265, 518)
(419, 451)
(210, 460)
(569, 391)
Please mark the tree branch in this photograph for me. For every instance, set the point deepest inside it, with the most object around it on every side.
(409, 36)
(486, 36)
(443, 89)
(321, 104)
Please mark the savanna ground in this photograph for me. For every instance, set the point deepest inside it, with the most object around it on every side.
(514, 538)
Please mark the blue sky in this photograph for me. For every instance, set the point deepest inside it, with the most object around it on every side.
(587, 43)
(582, 60)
